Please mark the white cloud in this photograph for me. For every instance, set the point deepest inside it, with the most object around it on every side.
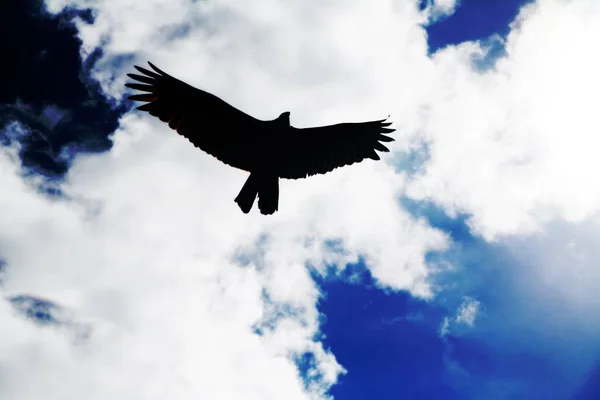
(172, 315)
(515, 146)
(242, 49)
(438, 9)
(147, 245)
(150, 260)
(466, 314)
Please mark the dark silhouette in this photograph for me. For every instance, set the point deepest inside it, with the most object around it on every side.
(269, 150)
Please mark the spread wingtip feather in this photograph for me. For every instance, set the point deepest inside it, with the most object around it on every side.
(147, 72)
(145, 107)
(139, 86)
(142, 97)
(141, 78)
(154, 67)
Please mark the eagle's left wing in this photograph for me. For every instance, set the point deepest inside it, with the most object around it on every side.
(318, 150)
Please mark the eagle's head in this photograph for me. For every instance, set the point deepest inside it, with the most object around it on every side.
(284, 119)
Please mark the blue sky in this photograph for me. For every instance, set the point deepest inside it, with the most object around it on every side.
(502, 323)
(473, 20)
(390, 342)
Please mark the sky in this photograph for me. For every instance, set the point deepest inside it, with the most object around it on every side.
(463, 265)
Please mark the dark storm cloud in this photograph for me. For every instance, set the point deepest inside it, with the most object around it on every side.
(47, 88)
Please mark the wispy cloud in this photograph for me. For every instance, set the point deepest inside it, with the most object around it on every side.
(439, 9)
(465, 315)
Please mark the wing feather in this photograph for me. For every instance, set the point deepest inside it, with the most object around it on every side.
(319, 150)
(206, 120)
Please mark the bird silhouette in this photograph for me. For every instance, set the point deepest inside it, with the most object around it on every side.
(267, 149)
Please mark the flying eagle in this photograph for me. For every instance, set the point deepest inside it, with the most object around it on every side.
(269, 150)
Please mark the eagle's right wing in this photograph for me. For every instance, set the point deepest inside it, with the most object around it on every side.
(207, 121)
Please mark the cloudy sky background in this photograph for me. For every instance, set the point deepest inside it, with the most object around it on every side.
(464, 265)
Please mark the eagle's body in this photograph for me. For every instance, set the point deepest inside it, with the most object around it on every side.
(269, 150)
